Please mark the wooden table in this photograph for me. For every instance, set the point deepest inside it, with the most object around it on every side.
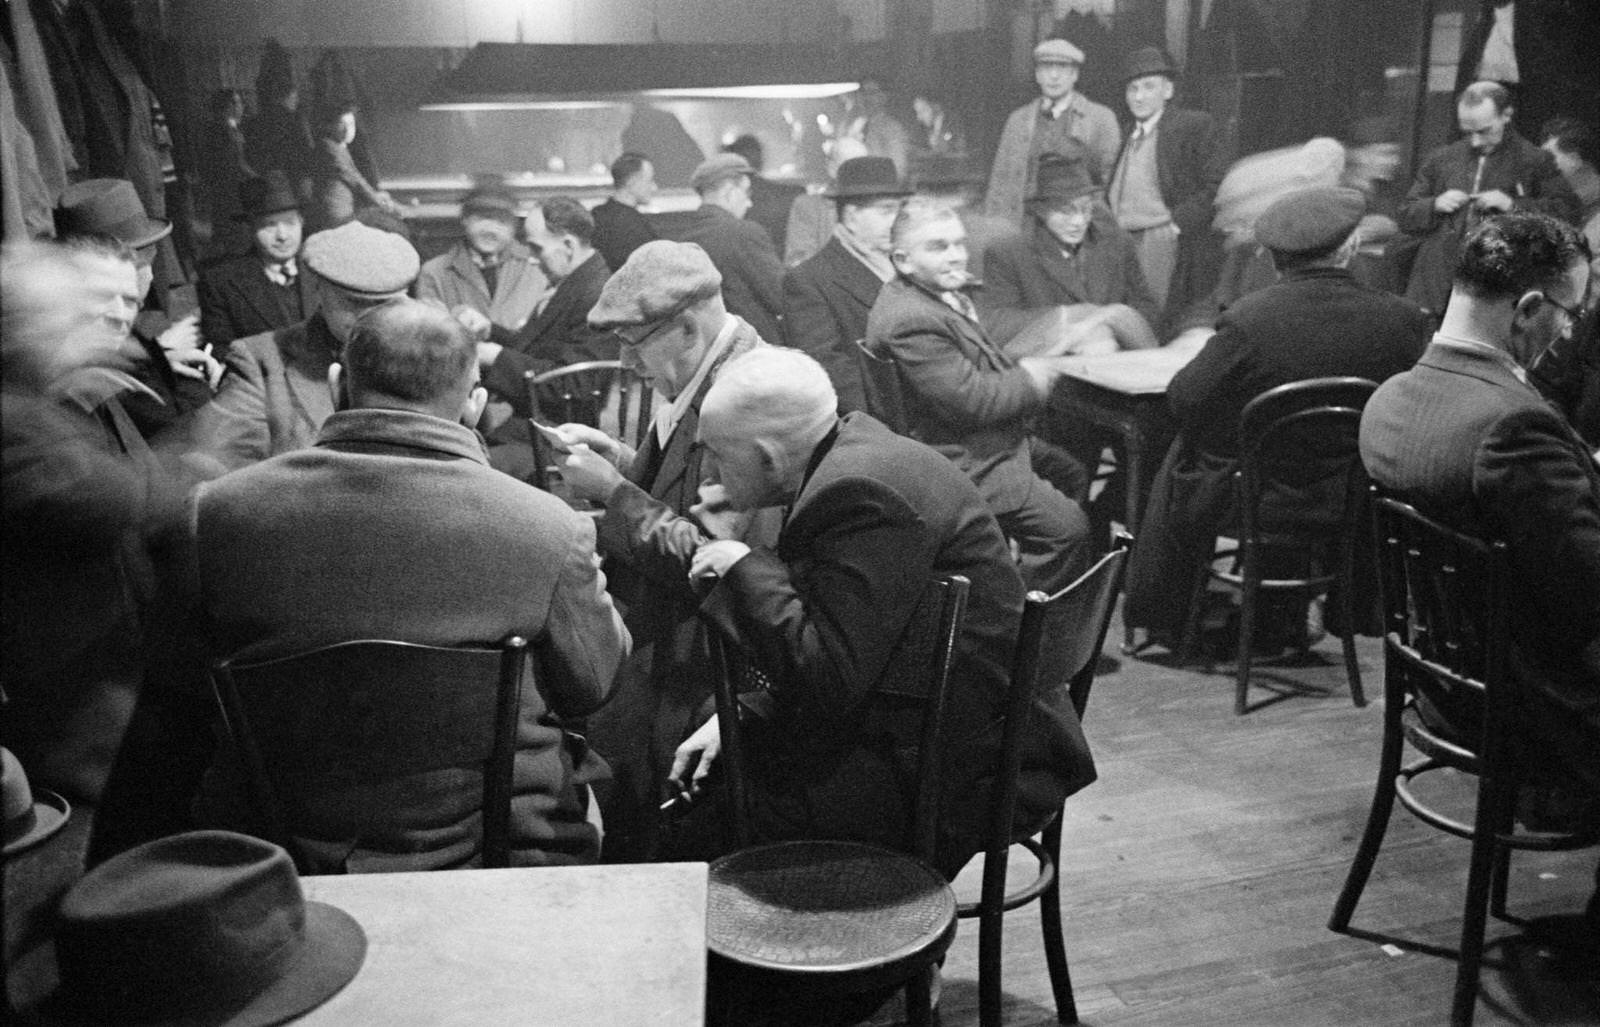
(614, 945)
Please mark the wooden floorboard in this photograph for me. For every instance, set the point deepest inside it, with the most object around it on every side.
(1201, 868)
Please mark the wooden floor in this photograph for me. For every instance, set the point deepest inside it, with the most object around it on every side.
(1200, 870)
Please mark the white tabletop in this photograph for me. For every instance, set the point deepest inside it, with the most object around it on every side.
(614, 945)
(1135, 372)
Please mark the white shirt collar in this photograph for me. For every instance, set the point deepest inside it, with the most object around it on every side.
(1149, 124)
(670, 412)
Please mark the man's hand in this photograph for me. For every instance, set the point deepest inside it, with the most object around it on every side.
(720, 520)
(706, 743)
(184, 334)
(716, 558)
(488, 353)
(1495, 200)
(474, 321)
(1450, 201)
(594, 438)
(194, 363)
(1044, 371)
(588, 475)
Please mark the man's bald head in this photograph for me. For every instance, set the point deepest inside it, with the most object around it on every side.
(762, 418)
(411, 355)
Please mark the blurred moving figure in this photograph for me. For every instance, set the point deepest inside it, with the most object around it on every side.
(1575, 147)
(334, 126)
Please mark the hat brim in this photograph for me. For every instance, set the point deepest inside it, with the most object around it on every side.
(247, 216)
(50, 814)
(335, 948)
(865, 194)
(151, 232)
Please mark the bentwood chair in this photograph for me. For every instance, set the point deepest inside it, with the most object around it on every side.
(1447, 694)
(367, 711)
(1292, 439)
(1058, 650)
(600, 393)
(809, 920)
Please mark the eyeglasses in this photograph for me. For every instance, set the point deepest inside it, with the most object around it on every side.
(1574, 313)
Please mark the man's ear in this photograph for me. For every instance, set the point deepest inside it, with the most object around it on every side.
(472, 406)
(1527, 306)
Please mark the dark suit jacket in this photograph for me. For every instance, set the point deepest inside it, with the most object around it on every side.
(769, 206)
(1026, 274)
(826, 300)
(1568, 375)
(1190, 163)
(1517, 167)
(1469, 444)
(876, 519)
(558, 335)
(963, 396)
(237, 299)
(752, 274)
(345, 540)
(619, 230)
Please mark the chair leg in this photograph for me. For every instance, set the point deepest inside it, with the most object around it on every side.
(1189, 644)
(1491, 800)
(1055, 950)
(1251, 580)
(1500, 881)
(919, 998)
(1377, 818)
(991, 938)
(1347, 606)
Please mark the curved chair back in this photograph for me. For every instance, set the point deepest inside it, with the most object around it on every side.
(374, 710)
(917, 671)
(601, 393)
(885, 393)
(1058, 649)
(1300, 433)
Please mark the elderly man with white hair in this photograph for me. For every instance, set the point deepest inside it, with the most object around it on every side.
(873, 518)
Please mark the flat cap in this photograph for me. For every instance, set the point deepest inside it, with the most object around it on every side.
(362, 259)
(1057, 51)
(659, 279)
(1311, 221)
(723, 165)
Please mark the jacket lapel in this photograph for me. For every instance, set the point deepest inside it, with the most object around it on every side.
(461, 263)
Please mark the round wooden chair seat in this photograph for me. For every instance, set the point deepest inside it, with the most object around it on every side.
(826, 907)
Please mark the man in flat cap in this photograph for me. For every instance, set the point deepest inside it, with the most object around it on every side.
(665, 307)
(1044, 125)
(1317, 321)
(1163, 184)
(274, 395)
(827, 298)
(743, 252)
(487, 270)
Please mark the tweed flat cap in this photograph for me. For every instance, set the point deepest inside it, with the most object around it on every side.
(362, 259)
(723, 165)
(1312, 220)
(1057, 51)
(659, 279)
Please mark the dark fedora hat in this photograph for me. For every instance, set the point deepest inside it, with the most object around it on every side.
(863, 177)
(1148, 60)
(1061, 178)
(268, 194)
(108, 206)
(205, 928)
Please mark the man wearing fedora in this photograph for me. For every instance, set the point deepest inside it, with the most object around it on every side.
(487, 270)
(1317, 321)
(752, 274)
(165, 356)
(1045, 125)
(1163, 183)
(1076, 274)
(274, 396)
(827, 298)
(262, 290)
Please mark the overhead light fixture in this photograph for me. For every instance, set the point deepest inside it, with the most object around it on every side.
(796, 91)
(522, 105)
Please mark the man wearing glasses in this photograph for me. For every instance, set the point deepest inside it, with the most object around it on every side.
(1468, 441)
(665, 307)
(1076, 276)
